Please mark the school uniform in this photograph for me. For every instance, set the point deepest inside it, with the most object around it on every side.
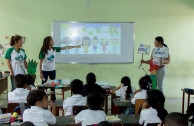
(74, 100)
(149, 116)
(48, 65)
(38, 116)
(16, 61)
(118, 92)
(139, 95)
(18, 95)
(89, 117)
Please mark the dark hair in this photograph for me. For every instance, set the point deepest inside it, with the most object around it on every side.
(127, 82)
(161, 40)
(145, 82)
(29, 79)
(95, 101)
(27, 123)
(77, 86)
(34, 96)
(20, 80)
(45, 47)
(14, 39)
(175, 119)
(156, 100)
(91, 78)
(104, 123)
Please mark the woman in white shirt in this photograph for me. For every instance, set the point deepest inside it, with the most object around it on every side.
(145, 83)
(153, 109)
(161, 72)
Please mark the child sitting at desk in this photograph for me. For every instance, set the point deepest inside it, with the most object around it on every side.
(20, 93)
(153, 109)
(91, 85)
(127, 86)
(37, 114)
(144, 84)
(76, 99)
(94, 114)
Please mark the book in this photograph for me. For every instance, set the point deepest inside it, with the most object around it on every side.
(112, 118)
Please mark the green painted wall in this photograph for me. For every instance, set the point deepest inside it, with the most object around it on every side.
(172, 19)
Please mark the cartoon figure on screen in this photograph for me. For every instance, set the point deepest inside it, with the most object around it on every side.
(95, 42)
(76, 41)
(86, 43)
(104, 43)
(67, 41)
(114, 43)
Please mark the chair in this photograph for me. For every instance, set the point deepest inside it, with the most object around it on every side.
(11, 107)
(138, 104)
(77, 109)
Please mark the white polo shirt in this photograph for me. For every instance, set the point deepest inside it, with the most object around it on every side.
(16, 60)
(74, 100)
(139, 95)
(149, 116)
(18, 95)
(89, 117)
(38, 116)
(48, 63)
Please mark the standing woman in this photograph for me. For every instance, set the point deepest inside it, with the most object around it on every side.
(16, 58)
(161, 72)
(47, 59)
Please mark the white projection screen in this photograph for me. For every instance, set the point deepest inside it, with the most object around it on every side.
(101, 42)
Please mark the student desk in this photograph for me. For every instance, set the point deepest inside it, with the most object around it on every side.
(183, 100)
(63, 89)
(4, 83)
(130, 119)
(121, 104)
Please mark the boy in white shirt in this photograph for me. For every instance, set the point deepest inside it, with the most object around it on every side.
(144, 84)
(76, 99)
(20, 93)
(94, 114)
(37, 114)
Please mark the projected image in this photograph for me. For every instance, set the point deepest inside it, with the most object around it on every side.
(93, 38)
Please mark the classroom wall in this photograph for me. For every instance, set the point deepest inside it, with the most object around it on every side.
(172, 19)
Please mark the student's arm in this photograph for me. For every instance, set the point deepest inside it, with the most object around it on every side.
(9, 67)
(147, 62)
(53, 108)
(40, 67)
(26, 64)
(117, 88)
(70, 47)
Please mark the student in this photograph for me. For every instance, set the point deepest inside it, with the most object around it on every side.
(91, 85)
(16, 58)
(127, 85)
(94, 114)
(175, 119)
(76, 99)
(144, 84)
(30, 82)
(37, 114)
(47, 59)
(27, 123)
(153, 109)
(161, 72)
(20, 93)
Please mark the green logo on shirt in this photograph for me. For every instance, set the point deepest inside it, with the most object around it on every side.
(19, 58)
(51, 58)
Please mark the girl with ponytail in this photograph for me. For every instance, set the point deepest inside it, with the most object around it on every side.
(153, 109)
(16, 58)
(161, 72)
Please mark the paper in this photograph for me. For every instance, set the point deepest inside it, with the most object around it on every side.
(113, 119)
(144, 49)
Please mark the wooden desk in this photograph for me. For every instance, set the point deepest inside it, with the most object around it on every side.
(59, 105)
(130, 119)
(4, 83)
(183, 99)
(63, 89)
(121, 104)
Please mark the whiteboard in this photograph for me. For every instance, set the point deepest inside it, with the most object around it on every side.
(101, 42)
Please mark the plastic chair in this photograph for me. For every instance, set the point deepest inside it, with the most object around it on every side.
(138, 104)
